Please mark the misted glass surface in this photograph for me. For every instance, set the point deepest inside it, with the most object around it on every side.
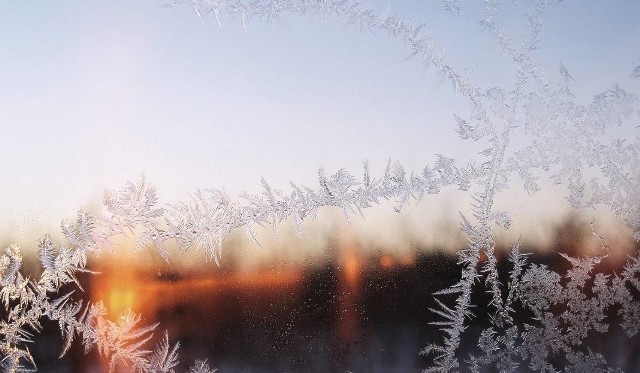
(320, 186)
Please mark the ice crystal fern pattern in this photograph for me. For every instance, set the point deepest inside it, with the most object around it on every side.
(565, 138)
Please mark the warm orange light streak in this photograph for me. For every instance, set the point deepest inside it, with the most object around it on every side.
(121, 300)
(261, 279)
(348, 292)
(117, 286)
(386, 262)
(135, 290)
(352, 267)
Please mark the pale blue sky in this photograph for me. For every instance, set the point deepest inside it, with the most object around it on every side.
(94, 92)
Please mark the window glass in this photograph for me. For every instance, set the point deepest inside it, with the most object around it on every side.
(326, 186)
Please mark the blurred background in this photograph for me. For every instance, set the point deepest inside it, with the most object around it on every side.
(353, 306)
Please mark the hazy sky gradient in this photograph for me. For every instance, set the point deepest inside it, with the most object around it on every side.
(92, 93)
